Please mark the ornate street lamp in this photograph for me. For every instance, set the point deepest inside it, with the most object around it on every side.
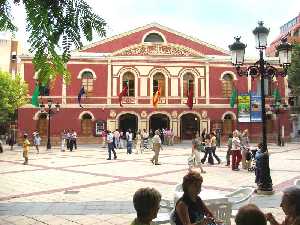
(264, 70)
(50, 113)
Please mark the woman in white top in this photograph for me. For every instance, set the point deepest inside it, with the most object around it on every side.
(138, 139)
(236, 151)
(156, 147)
(196, 152)
(37, 141)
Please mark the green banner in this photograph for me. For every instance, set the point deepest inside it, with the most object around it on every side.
(244, 107)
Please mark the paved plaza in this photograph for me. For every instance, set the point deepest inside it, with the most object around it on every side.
(82, 187)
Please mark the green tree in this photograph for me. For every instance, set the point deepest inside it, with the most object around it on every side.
(294, 71)
(13, 94)
(54, 26)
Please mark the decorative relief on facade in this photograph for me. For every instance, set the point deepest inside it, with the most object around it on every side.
(143, 114)
(157, 49)
(204, 114)
(128, 100)
(112, 113)
(174, 114)
(162, 101)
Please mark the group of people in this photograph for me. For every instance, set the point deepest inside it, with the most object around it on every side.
(68, 140)
(142, 140)
(190, 209)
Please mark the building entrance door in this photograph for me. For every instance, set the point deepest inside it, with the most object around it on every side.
(159, 121)
(128, 121)
(190, 125)
(86, 125)
(42, 125)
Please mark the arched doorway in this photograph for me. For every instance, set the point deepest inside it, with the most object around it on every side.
(128, 121)
(42, 125)
(86, 125)
(159, 121)
(190, 125)
(228, 124)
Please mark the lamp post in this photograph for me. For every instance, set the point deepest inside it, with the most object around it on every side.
(50, 112)
(278, 108)
(261, 69)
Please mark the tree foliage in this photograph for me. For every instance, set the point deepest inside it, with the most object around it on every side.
(13, 94)
(294, 71)
(54, 26)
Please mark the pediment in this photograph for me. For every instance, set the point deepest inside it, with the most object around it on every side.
(157, 50)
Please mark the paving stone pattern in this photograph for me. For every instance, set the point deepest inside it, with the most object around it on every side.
(82, 187)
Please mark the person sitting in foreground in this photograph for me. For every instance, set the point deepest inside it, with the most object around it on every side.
(290, 205)
(146, 203)
(249, 215)
(190, 209)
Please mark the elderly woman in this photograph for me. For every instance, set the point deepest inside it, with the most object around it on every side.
(156, 147)
(146, 203)
(190, 209)
(290, 205)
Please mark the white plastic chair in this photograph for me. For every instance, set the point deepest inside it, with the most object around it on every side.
(165, 217)
(238, 197)
(297, 183)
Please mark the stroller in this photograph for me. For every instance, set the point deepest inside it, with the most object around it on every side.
(251, 155)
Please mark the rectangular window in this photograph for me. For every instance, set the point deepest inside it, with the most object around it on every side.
(88, 85)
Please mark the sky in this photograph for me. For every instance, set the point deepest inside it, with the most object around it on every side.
(214, 21)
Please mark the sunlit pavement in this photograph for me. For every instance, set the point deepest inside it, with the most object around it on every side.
(82, 187)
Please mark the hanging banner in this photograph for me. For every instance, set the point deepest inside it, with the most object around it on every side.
(256, 115)
(244, 107)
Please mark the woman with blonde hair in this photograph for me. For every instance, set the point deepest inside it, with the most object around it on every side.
(236, 151)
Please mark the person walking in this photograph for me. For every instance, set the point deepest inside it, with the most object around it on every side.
(214, 146)
(236, 151)
(138, 140)
(156, 147)
(63, 140)
(196, 146)
(26, 145)
(110, 145)
(117, 138)
(229, 147)
(1, 147)
(74, 139)
(37, 141)
(129, 137)
(245, 147)
(208, 151)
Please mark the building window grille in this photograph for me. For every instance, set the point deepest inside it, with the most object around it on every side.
(159, 81)
(188, 84)
(87, 82)
(227, 83)
(153, 37)
(128, 79)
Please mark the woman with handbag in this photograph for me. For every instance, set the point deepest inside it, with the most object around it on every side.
(196, 148)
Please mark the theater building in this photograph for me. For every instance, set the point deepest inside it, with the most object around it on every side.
(146, 58)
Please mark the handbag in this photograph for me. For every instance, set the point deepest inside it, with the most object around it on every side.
(191, 160)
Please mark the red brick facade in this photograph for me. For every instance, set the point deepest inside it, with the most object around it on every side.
(176, 56)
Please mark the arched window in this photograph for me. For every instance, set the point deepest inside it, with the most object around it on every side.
(188, 84)
(86, 125)
(87, 82)
(128, 79)
(159, 81)
(227, 82)
(153, 37)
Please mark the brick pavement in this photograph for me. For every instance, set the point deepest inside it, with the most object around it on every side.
(82, 187)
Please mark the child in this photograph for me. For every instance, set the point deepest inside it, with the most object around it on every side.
(26, 145)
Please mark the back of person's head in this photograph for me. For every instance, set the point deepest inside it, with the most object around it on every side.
(260, 145)
(250, 215)
(145, 200)
(191, 178)
(293, 197)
